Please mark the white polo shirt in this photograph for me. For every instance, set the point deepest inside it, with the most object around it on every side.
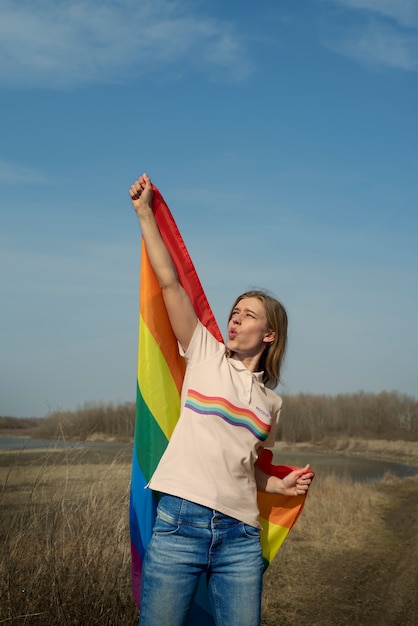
(227, 415)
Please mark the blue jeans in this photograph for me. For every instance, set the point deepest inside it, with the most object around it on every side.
(190, 540)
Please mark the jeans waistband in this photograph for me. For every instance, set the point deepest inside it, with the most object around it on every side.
(182, 511)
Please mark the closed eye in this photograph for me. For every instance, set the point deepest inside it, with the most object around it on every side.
(246, 313)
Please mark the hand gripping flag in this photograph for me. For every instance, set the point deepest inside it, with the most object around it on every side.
(160, 377)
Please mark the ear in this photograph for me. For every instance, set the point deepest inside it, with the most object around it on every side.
(269, 337)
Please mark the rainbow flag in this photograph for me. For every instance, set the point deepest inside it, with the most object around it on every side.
(278, 514)
(160, 377)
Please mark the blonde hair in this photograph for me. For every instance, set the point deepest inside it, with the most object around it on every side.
(272, 358)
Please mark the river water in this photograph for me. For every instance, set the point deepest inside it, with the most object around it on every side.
(358, 469)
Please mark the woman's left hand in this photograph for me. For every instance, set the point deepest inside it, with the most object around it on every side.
(297, 482)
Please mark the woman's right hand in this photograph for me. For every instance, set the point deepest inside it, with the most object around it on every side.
(141, 194)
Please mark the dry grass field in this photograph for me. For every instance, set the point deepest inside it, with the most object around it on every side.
(351, 559)
(65, 540)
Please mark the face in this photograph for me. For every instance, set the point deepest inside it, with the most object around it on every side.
(248, 332)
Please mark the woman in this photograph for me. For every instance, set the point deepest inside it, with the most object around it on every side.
(207, 518)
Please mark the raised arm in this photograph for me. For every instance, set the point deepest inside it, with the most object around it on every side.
(180, 310)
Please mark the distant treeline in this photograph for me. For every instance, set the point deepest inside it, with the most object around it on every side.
(21, 423)
(305, 418)
(384, 415)
(92, 420)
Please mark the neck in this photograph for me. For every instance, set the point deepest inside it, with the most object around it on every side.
(249, 361)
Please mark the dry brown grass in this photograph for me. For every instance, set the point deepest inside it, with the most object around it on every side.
(65, 548)
(342, 561)
(335, 520)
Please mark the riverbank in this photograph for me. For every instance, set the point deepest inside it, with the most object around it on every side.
(398, 451)
(351, 559)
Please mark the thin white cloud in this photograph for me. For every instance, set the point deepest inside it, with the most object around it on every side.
(378, 33)
(404, 12)
(62, 44)
(377, 44)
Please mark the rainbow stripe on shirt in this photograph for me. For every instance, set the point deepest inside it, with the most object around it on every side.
(230, 413)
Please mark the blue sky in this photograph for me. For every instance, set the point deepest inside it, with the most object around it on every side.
(283, 136)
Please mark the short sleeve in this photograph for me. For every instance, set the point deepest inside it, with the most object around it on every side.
(271, 439)
(202, 345)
